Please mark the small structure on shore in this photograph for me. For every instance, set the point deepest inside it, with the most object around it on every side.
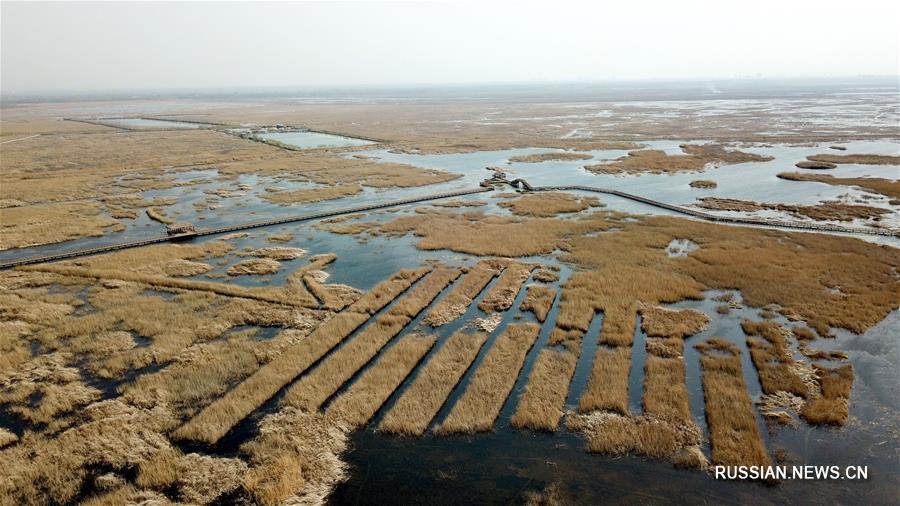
(181, 229)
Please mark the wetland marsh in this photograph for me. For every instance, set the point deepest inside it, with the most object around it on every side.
(510, 346)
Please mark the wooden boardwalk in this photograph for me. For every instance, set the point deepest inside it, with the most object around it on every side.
(485, 186)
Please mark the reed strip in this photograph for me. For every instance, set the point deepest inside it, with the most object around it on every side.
(311, 391)
(218, 418)
(607, 386)
(478, 407)
(326, 299)
(361, 401)
(833, 408)
(455, 303)
(422, 400)
(276, 296)
(541, 404)
(772, 358)
(665, 390)
(734, 436)
(503, 293)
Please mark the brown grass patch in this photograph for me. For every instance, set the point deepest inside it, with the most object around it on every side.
(382, 294)
(45, 387)
(454, 304)
(697, 157)
(254, 267)
(833, 408)
(329, 296)
(607, 387)
(538, 299)
(807, 164)
(772, 358)
(886, 187)
(51, 223)
(359, 403)
(670, 347)
(490, 385)
(157, 214)
(422, 400)
(216, 419)
(665, 391)
(541, 404)
(502, 295)
(826, 211)
(564, 156)
(626, 268)
(310, 195)
(316, 387)
(825, 411)
(51, 469)
(614, 434)
(286, 296)
(7, 438)
(703, 183)
(458, 203)
(836, 382)
(661, 322)
(547, 204)
(546, 274)
(476, 233)
(329, 170)
(425, 292)
(179, 267)
(295, 457)
(733, 433)
(201, 374)
(280, 253)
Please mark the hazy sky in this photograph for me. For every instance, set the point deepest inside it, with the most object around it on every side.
(74, 46)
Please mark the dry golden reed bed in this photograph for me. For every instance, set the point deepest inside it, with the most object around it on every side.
(550, 157)
(547, 204)
(361, 401)
(422, 400)
(665, 391)
(502, 295)
(696, 158)
(857, 158)
(607, 387)
(773, 358)
(454, 304)
(734, 436)
(671, 323)
(216, 419)
(540, 405)
(490, 385)
(313, 389)
(837, 211)
(620, 268)
(832, 408)
(538, 299)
